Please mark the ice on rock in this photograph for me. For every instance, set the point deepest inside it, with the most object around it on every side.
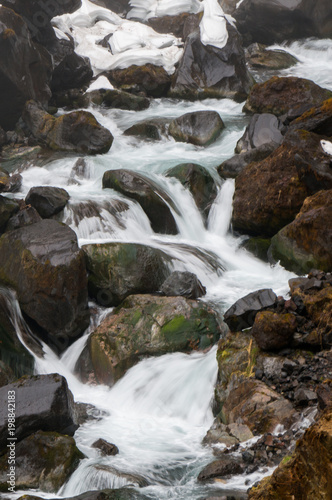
(144, 9)
(101, 83)
(326, 147)
(213, 26)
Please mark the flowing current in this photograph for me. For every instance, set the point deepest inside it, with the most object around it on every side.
(159, 412)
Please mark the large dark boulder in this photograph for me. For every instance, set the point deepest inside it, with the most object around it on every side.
(47, 200)
(273, 331)
(290, 96)
(207, 71)
(221, 468)
(232, 167)
(241, 315)
(46, 461)
(199, 182)
(43, 402)
(274, 21)
(306, 242)
(263, 129)
(77, 131)
(184, 284)
(117, 270)
(153, 80)
(199, 127)
(25, 68)
(147, 193)
(317, 119)
(43, 264)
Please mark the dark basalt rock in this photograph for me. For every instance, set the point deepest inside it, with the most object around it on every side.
(199, 127)
(152, 80)
(7, 209)
(149, 129)
(262, 130)
(183, 283)
(47, 200)
(206, 71)
(241, 315)
(43, 263)
(273, 331)
(199, 182)
(233, 167)
(106, 448)
(25, 68)
(273, 22)
(43, 402)
(46, 461)
(25, 217)
(117, 270)
(148, 195)
(224, 467)
(77, 131)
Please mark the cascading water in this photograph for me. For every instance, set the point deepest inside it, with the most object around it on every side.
(159, 412)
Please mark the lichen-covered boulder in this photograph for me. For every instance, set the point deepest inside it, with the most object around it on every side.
(153, 80)
(199, 127)
(46, 461)
(199, 182)
(154, 202)
(317, 119)
(117, 270)
(47, 200)
(207, 71)
(273, 331)
(307, 473)
(306, 242)
(145, 325)
(25, 68)
(285, 95)
(43, 264)
(77, 131)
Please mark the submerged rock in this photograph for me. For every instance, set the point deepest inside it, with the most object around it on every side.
(117, 270)
(107, 449)
(144, 325)
(47, 200)
(46, 461)
(199, 127)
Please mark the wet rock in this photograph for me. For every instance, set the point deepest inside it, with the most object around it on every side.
(149, 129)
(317, 119)
(274, 22)
(289, 96)
(262, 130)
(224, 467)
(241, 315)
(25, 68)
(9, 183)
(232, 167)
(86, 412)
(207, 71)
(132, 479)
(169, 24)
(147, 193)
(324, 395)
(144, 325)
(199, 182)
(52, 408)
(258, 247)
(7, 209)
(149, 79)
(117, 270)
(306, 242)
(199, 127)
(43, 263)
(273, 331)
(47, 200)
(25, 217)
(116, 99)
(304, 396)
(305, 474)
(218, 434)
(46, 461)
(184, 284)
(259, 57)
(106, 448)
(114, 494)
(77, 131)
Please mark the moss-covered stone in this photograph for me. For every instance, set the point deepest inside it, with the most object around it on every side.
(142, 326)
(258, 247)
(273, 331)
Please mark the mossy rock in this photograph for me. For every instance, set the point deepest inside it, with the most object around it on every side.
(258, 247)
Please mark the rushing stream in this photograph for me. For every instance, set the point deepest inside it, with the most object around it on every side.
(159, 412)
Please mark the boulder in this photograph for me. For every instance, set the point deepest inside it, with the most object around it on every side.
(259, 57)
(115, 99)
(221, 468)
(9, 183)
(43, 402)
(148, 129)
(317, 119)
(241, 315)
(262, 130)
(207, 71)
(184, 284)
(199, 127)
(307, 473)
(232, 167)
(45, 460)
(280, 20)
(107, 449)
(144, 325)
(152, 80)
(77, 131)
(199, 182)
(306, 242)
(25, 217)
(153, 201)
(290, 96)
(273, 331)
(25, 68)
(47, 200)
(169, 24)
(117, 270)
(259, 247)
(43, 264)
(8, 208)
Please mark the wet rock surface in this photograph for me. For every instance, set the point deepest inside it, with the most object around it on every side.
(183, 283)
(47, 200)
(200, 127)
